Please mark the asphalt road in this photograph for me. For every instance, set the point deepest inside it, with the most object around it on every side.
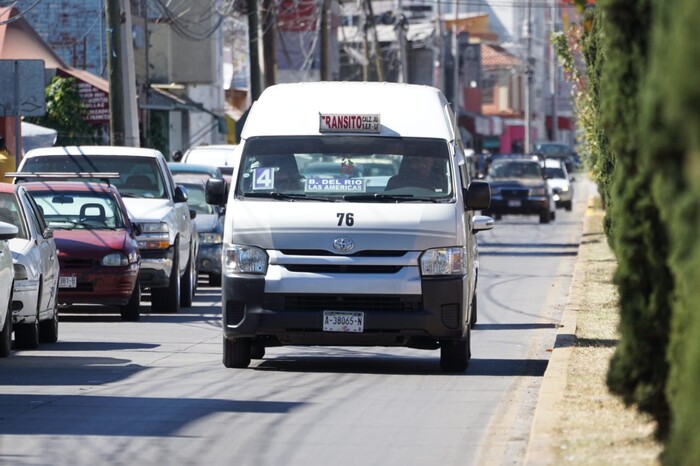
(155, 391)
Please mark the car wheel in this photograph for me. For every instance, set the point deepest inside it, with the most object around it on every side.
(48, 329)
(130, 311)
(472, 321)
(455, 355)
(187, 284)
(544, 216)
(6, 333)
(237, 352)
(27, 335)
(215, 279)
(167, 300)
(568, 206)
(553, 215)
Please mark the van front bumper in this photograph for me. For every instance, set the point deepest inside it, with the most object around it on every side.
(422, 320)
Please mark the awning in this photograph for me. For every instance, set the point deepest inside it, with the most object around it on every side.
(35, 136)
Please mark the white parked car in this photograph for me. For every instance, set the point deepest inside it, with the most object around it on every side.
(559, 181)
(34, 306)
(7, 274)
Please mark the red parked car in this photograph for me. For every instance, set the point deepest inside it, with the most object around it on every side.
(98, 254)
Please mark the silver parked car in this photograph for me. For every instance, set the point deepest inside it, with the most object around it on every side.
(34, 306)
(7, 232)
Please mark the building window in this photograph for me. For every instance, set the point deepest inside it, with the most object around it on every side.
(488, 84)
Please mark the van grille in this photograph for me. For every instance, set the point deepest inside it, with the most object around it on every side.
(329, 268)
(320, 302)
(323, 252)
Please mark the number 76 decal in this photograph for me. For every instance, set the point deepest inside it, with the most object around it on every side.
(348, 219)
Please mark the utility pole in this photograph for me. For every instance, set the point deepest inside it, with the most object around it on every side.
(325, 45)
(114, 67)
(268, 41)
(254, 50)
(400, 27)
(553, 75)
(528, 78)
(439, 53)
(455, 63)
(377, 48)
(123, 121)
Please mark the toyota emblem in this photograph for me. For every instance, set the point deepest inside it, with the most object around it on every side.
(343, 244)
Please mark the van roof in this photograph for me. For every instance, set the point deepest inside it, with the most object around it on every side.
(407, 110)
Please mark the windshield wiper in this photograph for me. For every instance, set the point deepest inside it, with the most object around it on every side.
(288, 197)
(390, 198)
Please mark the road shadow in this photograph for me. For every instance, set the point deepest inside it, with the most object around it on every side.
(398, 365)
(516, 326)
(32, 369)
(88, 415)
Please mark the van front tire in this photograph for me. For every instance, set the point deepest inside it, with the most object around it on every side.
(237, 353)
(455, 355)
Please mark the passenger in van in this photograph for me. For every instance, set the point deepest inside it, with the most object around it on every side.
(287, 176)
(419, 172)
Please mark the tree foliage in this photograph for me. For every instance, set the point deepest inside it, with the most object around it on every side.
(65, 112)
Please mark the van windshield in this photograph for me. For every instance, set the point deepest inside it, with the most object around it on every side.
(341, 167)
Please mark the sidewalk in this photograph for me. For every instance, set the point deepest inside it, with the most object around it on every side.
(577, 421)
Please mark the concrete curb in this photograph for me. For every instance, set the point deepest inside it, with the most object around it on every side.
(548, 413)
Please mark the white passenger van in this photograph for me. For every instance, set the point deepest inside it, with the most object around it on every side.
(350, 222)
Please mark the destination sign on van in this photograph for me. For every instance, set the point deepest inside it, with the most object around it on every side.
(349, 123)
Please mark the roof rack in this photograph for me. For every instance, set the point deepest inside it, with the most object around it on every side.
(103, 176)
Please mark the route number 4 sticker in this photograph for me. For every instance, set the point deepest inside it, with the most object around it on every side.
(264, 178)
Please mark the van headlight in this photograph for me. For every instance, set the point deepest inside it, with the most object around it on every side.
(443, 261)
(239, 258)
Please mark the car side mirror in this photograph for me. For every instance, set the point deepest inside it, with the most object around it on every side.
(180, 194)
(477, 196)
(215, 192)
(136, 229)
(48, 233)
(193, 214)
(572, 178)
(481, 223)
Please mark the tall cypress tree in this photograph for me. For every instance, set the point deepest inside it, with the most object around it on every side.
(638, 369)
(671, 118)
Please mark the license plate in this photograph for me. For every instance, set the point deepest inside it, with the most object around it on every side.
(513, 203)
(67, 282)
(343, 321)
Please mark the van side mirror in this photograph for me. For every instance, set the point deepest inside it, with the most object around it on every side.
(477, 196)
(215, 192)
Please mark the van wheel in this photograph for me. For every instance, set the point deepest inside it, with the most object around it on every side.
(6, 333)
(167, 300)
(472, 321)
(187, 284)
(455, 355)
(237, 352)
(257, 351)
(130, 311)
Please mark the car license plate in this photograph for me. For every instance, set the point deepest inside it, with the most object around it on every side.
(513, 203)
(67, 282)
(343, 321)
